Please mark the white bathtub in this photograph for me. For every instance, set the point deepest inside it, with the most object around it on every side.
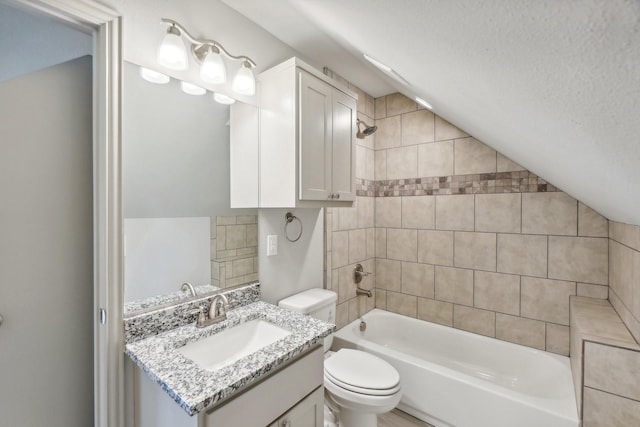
(455, 378)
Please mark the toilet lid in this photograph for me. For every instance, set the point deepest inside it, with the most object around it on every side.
(361, 371)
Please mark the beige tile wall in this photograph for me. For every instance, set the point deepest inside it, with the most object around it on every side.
(350, 236)
(234, 250)
(624, 273)
(502, 265)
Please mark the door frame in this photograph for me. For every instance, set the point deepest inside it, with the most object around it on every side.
(105, 25)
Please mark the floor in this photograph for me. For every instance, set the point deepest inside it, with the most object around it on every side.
(398, 418)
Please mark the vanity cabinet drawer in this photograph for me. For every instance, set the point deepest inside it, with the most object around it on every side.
(309, 412)
(268, 400)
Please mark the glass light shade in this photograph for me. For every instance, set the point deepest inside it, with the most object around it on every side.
(192, 89)
(223, 99)
(153, 76)
(172, 52)
(212, 69)
(244, 83)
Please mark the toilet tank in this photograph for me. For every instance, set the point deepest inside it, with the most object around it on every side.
(317, 303)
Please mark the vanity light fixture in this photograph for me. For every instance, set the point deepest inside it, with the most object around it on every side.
(192, 89)
(209, 54)
(223, 99)
(387, 70)
(424, 103)
(154, 76)
(172, 53)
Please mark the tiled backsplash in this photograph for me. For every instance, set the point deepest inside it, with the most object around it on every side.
(234, 250)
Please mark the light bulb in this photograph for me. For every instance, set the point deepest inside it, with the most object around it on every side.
(213, 69)
(244, 83)
(153, 76)
(223, 99)
(192, 89)
(172, 52)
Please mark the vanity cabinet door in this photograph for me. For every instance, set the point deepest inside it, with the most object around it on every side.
(309, 412)
(343, 162)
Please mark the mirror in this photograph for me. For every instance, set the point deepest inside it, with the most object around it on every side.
(178, 224)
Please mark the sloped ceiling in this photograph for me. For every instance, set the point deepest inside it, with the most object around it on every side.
(554, 85)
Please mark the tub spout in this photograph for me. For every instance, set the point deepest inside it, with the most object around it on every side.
(360, 291)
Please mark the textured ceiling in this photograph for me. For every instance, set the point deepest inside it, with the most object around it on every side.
(554, 85)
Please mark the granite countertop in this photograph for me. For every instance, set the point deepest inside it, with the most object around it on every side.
(195, 388)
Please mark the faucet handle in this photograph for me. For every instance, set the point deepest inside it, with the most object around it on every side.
(202, 315)
(359, 273)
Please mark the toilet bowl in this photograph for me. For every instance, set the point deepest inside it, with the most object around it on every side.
(358, 385)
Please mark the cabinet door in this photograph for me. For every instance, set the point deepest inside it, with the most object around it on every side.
(314, 138)
(309, 412)
(343, 147)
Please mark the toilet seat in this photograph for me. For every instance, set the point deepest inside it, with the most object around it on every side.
(362, 373)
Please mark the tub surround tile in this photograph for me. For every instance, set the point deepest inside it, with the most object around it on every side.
(612, 369)
(507, 165)
(342, 315)
(497, 292)
(340, 249)
(558, 339)
(402, 244)
(418, 212)
(549, 213)
(454, 285)
(406, 305)
(381, 242)
(498, 212)
(435, 247)
(194, 388)
(399, 104)
(380, 108)
(627, 234)
(547, 300)
(593, 291)
(389, 212)
(520, 331)
(435, 311)
(445, 130)
(607, 410)
(591, 223)
(583, 259)
(472, 156)
(435, 159)
(402, 162)
(474, 320)
(380, 171)
(475, 250)
(418, 127)
(381, 299)
(357, 245)
(418, 279)
(455, 212)
(389, 274)
(389, 134)
(522, 254)
(365, 210)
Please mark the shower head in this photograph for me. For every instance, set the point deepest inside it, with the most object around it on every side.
(368, 130)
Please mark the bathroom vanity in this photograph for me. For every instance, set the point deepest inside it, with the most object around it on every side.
(263, 367)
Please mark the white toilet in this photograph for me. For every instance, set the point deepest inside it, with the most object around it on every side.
(358, 385)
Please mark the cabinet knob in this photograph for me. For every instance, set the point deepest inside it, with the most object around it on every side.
(337, 196)
(330, 196)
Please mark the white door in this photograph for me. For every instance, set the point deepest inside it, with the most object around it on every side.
(344, 146)
(46, 248)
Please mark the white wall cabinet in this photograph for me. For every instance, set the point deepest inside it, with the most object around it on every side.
(306, 142)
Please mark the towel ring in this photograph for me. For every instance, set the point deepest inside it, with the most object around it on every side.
(288, 218)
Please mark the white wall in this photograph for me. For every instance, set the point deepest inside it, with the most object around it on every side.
(46, 247)
(29, 43)
(298, 266)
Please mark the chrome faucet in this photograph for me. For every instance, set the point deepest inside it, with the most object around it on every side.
(186, 286)
(214, 314)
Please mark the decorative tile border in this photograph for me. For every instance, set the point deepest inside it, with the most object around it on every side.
(485, 183)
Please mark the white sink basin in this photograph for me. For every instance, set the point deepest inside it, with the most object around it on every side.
(226, 347)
